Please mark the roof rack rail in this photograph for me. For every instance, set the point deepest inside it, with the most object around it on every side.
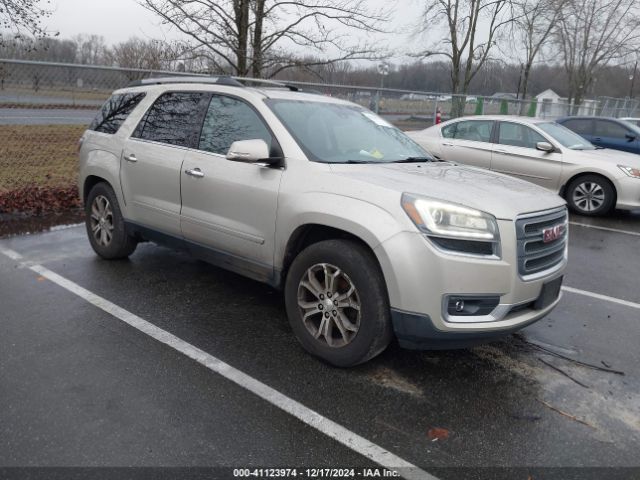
(261, 81)
(218, 80)
(221, 80)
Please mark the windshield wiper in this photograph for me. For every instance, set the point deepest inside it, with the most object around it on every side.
(415, 160)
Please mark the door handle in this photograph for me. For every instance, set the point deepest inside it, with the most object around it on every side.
(447, 144)
(131, 158)
(196, 172)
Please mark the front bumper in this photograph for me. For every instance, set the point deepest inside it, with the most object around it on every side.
(420, 277)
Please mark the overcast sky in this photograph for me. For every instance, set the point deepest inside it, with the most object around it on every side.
(118, 20)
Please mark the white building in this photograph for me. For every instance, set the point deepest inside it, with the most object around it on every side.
(550, 104)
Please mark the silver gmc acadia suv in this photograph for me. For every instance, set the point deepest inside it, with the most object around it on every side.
(367, 234)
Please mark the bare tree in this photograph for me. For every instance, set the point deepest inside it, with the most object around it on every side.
(261, 37)
(21, 19)
(473, 27)
(592, 34)
(91, 49)
(37, 77)
(533, 24)
(4, 74)
(142, 54)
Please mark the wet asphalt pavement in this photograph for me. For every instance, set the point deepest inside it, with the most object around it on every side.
(78, 387)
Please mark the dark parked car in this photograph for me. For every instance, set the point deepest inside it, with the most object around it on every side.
(606, 132)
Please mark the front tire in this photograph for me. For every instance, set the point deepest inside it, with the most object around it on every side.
(337, 302)
(105, 224)
(590, 195)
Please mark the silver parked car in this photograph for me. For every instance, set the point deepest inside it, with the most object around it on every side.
(366, 233)
(592, 180)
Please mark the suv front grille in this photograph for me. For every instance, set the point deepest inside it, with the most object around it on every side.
(536, 253)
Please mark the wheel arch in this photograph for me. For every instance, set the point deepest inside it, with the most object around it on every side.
(89, 182)
(100, 166)
(563, 189)
(309, 233)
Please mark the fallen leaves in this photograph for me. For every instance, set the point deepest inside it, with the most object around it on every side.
(38, 200)
(436, 433)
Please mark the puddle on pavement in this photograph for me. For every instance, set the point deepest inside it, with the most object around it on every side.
(13, 224)
(597, 397)
(530, 377)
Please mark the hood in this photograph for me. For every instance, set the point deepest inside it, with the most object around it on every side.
(500, 195)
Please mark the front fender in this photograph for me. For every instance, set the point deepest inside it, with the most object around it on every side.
(370, 223)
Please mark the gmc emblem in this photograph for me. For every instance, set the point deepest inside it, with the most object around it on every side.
(553, 233)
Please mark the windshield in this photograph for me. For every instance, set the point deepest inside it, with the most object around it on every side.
(565, 136)
(632, 125)
(334, 133)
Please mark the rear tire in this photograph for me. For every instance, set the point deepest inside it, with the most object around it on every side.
(590, 195)
(337, 302)
(105, 224)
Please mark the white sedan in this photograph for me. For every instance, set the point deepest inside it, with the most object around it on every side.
(591, 179)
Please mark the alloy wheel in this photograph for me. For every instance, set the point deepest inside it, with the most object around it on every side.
(329, 304)
(588, 196)
(102, 220)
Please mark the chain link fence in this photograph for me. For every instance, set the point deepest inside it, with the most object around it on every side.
(45, 107)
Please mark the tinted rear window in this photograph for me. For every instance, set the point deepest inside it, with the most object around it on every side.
(475, 130)
(113, 113)
(582, 127)
(175, 118)
(605, 128)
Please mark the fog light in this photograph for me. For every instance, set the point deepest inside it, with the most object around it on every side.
(471, 305)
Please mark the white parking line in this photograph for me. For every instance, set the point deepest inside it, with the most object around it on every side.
(310, 417)
(11, 254)
(607, 229)
(599, 296)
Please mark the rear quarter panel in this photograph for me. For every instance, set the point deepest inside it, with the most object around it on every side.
(428, 139)
(101, 153)
(100, 157)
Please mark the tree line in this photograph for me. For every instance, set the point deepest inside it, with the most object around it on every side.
(579, 48)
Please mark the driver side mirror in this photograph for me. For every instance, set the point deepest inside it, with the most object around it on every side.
(251, 151)
(545, 147)
(630, 137)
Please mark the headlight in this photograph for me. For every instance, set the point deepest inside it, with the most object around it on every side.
(453, 227)
(631, 171)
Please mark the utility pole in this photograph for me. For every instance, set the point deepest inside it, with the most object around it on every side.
(383, 70)
(520, 81)
(632, 77)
